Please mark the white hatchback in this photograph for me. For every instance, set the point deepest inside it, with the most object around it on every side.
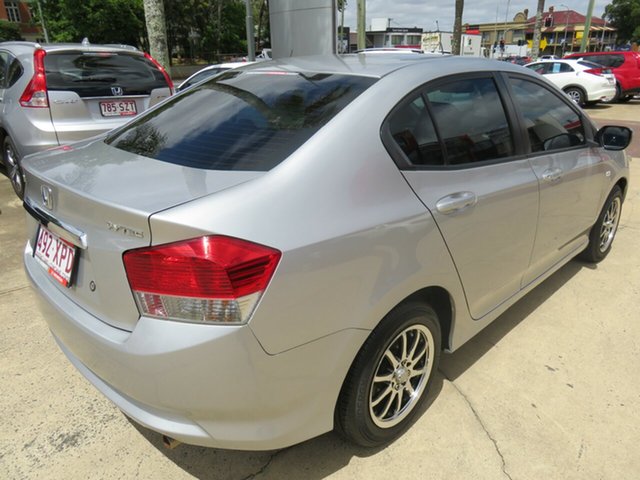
(585, 82)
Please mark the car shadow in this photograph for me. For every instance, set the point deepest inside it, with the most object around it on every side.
(328, 453)
(461, 360)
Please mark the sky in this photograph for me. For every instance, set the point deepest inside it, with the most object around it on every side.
(425, 13)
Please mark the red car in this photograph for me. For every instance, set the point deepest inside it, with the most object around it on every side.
(624, 65)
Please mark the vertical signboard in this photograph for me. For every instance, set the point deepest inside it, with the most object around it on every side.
(300, 28)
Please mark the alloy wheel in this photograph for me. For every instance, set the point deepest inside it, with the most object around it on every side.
(401, 375)
(610, 224)
(13, 169)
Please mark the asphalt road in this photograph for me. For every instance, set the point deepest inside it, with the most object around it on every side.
(551, 390)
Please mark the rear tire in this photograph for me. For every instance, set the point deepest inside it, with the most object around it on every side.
(576, 95)
(604, 230)
(390, 377)
(11, 162)
(616, 97)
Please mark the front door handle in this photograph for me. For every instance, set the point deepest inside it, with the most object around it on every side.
(456, 202)
(552, 174)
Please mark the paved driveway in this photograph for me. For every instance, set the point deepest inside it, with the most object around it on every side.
(551, 390)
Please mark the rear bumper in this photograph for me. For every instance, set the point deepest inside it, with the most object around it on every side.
(202, 384)
(604, 94)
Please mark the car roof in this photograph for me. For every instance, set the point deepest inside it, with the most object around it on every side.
(59, 47)
(378, 66)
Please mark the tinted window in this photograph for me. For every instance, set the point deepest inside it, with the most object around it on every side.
(240, 120)
(551, 123)
(471, 120)
(3, 69)
(609, 60)
(540, 68)
(413, 130)
(14, 72)
(200, 76)
(93, 74)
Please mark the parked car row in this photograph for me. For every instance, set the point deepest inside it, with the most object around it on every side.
(576, 74)
(60, 93)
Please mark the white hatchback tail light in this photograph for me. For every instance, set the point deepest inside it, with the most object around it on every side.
(211, 279)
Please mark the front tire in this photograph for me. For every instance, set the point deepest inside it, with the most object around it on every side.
(11, 161)
(604, 230)
(390, 376)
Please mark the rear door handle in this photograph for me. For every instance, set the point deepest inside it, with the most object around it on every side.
(552, 174)
(456, 202)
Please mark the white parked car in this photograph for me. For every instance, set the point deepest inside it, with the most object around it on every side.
(585, 82)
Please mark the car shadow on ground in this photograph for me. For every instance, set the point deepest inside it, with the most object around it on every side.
(328, 453)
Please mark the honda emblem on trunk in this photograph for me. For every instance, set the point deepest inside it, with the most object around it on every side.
(47, 196)
(117, 91)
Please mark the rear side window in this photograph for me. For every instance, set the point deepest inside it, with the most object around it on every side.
(10, 70)
(240, 120)
(460, 122)
(551, 123)
(92, 74)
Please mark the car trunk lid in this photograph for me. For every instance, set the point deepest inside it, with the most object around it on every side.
(100, 199)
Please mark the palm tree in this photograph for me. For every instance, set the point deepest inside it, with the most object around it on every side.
(456, 41)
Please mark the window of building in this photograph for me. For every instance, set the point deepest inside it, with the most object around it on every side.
(13, 11)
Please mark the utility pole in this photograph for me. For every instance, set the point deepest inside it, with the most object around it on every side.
(251, 47)
(587, 27)
(362, 29)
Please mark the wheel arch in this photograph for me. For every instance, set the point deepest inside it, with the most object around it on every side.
(440, 300)
(623, 184)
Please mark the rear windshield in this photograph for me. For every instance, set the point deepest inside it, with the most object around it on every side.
(240, 120)
(92, 74)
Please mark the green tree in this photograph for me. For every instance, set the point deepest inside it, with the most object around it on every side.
(101, 21)
(9, 31)
(624, 15)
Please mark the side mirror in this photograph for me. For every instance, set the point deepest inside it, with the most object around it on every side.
(614, 138)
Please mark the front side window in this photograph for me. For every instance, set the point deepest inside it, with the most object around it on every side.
(240, 120)
(551, 123)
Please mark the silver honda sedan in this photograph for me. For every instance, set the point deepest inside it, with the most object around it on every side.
(286, 250)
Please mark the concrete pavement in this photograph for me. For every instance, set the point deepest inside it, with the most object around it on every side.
(551, 390)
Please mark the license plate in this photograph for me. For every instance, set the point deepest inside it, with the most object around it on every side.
(118, 108)
(56, 255)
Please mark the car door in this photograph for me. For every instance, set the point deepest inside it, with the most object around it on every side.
(461, 160)
(571, 172)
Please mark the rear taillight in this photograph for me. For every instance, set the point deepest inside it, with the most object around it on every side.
(594, 71)
(211, 279)
(35, 95)
(161, 68)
